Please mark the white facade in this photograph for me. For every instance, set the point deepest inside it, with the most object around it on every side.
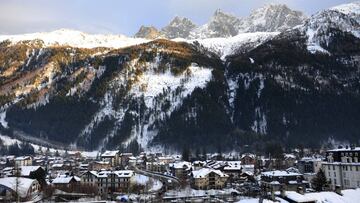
(346, 175)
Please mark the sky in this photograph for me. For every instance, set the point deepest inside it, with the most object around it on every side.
(126, 17)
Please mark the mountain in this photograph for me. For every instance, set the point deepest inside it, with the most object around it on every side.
(147, 33)
(220, 25)
(178, 28)
(272, 18)
(73, 38)
(298, 86)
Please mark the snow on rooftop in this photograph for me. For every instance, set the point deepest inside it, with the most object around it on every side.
(109, 153)
(205, 171)
(348, 196)
(23, 184)
(280, 173)
(26, 170)
(65, 179)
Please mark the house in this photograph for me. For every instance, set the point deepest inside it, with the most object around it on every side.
(25, 188)
(309, 165)
(290, 160)
(124, 158)
(156, 166)
(180, 169)
(111, 156)
(282, 180)
(108, 181)
(99, 165)
(248, 159)
(342, 167)
(207, 178)
(233, 169)
(66, 181)
(23, 161)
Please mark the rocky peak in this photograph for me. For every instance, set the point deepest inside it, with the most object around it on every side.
(272, 18)
(148, 32)
(221, 24)
(179, 27)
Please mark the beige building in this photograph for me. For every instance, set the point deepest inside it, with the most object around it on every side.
(23, 161)
(111, 156)
(108, 181)
(207, 178)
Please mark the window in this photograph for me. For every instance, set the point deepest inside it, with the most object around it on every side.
(334, 174)
(335, 181)
(333, 167)
(329, 167)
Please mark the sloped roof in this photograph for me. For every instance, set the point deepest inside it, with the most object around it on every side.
(23, 184)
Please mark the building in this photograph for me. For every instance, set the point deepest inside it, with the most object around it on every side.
(25, 188)
(282, 180)
(111, 156)
(248, 159)
(23, 161)
(342, 167)
(108, 181)
(207, 178)
(66, 181)
(309, 165)
(99, 165)
(181, 169)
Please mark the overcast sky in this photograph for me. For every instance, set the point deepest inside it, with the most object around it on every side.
(120, 16)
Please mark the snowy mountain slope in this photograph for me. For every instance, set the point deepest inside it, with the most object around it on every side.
(241, 42)
(321, 26)
(76, 39)
(351, 9)
(122, 93)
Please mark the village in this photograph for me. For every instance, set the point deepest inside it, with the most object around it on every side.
(155, 177)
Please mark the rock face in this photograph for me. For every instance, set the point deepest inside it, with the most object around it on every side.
(148, 32)
(272, 18)
(298, 86)
(220, 25)
(178, 28)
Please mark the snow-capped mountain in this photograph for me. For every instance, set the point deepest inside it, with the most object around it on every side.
(321, 27)
(300, 85)
(351, 9)
(272, 18)
(148, 32)
(73, 38)
(221, 24)
(178, 28)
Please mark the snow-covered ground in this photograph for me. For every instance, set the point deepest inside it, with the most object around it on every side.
(6, 140)
(150, 184)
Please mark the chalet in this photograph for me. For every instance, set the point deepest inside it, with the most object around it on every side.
(248, 159)
(66, 181)
(207, 178)
(25, 188)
